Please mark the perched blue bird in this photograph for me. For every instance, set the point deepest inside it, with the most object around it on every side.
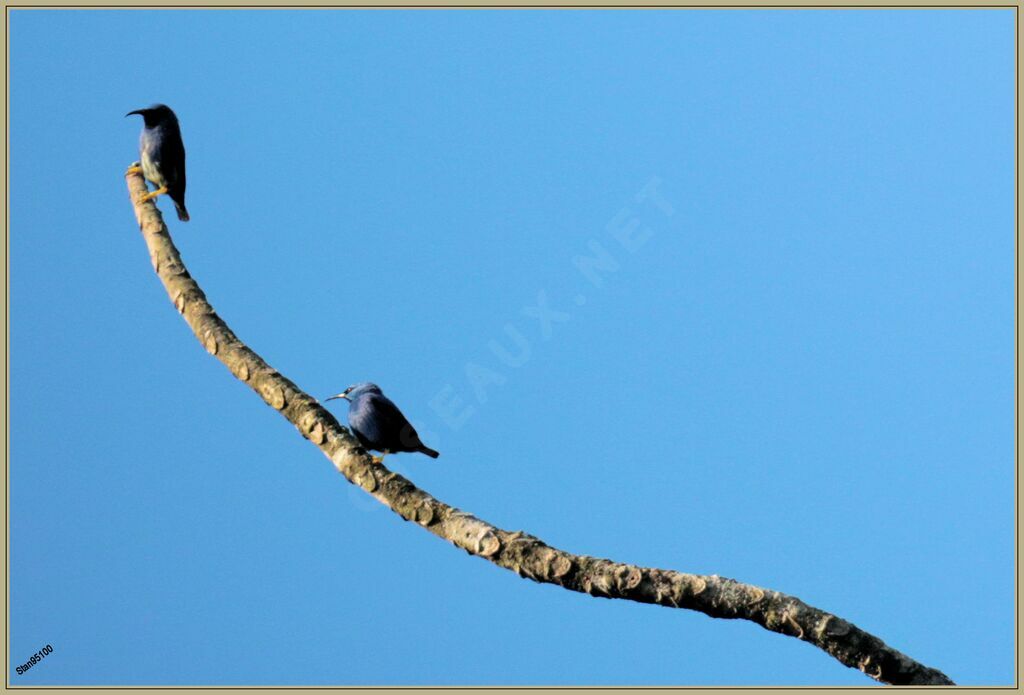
(163, 155)
(378, 423)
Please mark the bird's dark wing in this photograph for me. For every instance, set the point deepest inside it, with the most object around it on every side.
(397, 433)
(173, 161)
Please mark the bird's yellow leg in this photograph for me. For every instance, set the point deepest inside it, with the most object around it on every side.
(134, 169)
(153, 194)
(379, 459)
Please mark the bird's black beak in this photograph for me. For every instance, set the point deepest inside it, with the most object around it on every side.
(340, 395)
(140, 112)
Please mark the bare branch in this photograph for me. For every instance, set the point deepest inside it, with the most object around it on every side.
(526, 555)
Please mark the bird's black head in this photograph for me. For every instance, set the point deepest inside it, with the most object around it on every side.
(155, 115)
(357, 390)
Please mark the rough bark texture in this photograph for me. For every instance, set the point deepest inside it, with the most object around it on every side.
(526, 555)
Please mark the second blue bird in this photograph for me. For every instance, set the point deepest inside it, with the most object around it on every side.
(163, 155)
(378, 423)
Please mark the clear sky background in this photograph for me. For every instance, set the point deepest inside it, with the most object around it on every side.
(802, 378)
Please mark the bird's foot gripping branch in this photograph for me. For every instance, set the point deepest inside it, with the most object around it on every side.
(520, 552)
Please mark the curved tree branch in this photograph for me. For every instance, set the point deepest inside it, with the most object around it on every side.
(526, 555)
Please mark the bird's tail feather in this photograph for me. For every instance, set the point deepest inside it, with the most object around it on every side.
(182, 212)
(429, 452)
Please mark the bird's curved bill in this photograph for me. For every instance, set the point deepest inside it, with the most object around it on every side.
(340, 395)
(138, 112)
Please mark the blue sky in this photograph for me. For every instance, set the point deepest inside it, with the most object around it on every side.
(798, 373)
